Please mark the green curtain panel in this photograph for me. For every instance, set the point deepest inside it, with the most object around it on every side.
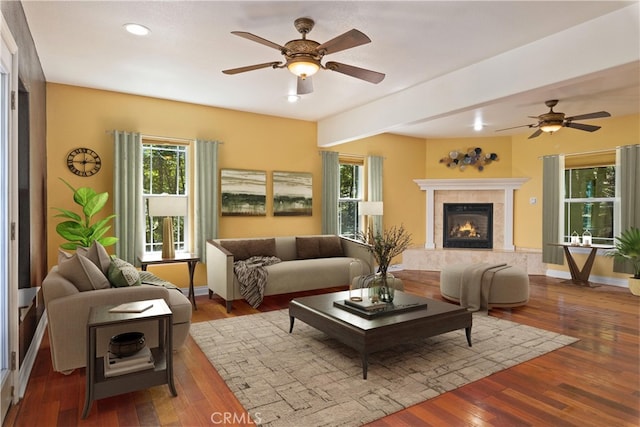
(628, 178)
(330, 191)
(374, 168)
(127, 196)
(206, 195)
(552, 209)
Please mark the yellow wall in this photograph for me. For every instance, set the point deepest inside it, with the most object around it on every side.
(79, 117)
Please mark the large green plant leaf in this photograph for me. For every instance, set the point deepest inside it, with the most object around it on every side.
(82, 195)
(72, 231)
(95, 204)
(68, 214)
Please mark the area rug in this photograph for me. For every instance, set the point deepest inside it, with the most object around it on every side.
(308, 379)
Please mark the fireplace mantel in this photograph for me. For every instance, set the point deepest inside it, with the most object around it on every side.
(507, 185)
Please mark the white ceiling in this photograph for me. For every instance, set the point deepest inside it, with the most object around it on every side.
(446, 62)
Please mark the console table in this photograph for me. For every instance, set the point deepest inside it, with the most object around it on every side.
(580, 276)
(189, 258)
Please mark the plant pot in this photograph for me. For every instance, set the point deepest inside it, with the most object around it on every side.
(634, 286)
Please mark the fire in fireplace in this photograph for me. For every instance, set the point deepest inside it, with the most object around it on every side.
(468, 225)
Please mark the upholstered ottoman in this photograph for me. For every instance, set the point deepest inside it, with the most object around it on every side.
(497, 285)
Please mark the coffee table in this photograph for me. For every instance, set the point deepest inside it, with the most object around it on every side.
(370, 335)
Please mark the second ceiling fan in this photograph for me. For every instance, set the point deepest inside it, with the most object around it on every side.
(552, 121)
(303, 56)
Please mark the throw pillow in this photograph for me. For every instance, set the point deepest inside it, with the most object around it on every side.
(262, 247)
(239, 249)
(244, 249)
(308, 247)
(122, 274)
(98, 254)
(330, 246)
(82, 272)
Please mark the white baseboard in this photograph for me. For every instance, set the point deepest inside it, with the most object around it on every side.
(595, 279)
(30, 356)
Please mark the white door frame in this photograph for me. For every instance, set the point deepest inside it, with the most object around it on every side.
(9, 378)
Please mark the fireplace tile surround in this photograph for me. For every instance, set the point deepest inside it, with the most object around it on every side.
(499, 192)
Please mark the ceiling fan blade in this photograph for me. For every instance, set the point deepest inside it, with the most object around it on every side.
(535, 134)
(521, 126)
(357, 72)
(258, 39)
(596, 115)
(305, 86)
(251, 67)
(582, 126)
(351, 38)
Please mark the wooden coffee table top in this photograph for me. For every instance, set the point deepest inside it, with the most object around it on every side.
(324, 304)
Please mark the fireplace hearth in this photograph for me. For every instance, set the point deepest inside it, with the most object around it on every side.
(468, 225)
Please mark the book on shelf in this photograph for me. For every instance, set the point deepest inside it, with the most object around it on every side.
(132, 307)
(114, 365)
(367, 305)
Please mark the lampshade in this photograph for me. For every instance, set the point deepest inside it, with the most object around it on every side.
(370, 208)
(167, 205)
(551, 126)
(303, 67)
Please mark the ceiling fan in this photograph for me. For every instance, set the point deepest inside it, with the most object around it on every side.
(552, 121)
(303, 57)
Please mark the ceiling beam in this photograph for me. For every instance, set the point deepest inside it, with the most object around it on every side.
(609, 41)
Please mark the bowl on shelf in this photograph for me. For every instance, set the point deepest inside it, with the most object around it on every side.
(126, 344)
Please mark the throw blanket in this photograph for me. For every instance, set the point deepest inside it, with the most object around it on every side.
(150, 279)
(475, 284)
(252, 276)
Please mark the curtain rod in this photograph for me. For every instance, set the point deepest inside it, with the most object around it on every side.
(164, 138)
(608, 150)
(357, 156)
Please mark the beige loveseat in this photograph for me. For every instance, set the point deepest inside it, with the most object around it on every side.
(68, 303)
(307, 262)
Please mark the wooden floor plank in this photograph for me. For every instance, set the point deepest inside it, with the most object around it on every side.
(594, 382)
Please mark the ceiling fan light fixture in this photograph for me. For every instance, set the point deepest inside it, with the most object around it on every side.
(551, 126)
(303, 67)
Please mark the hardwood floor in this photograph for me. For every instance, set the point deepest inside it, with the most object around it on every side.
(593, 382)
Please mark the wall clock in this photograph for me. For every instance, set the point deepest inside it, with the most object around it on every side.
(84, 162)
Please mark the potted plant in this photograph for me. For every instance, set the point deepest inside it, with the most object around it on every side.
(627, 247)
(384, 247)
(78, 229)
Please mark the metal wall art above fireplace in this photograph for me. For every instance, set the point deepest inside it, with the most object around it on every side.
(468, 225)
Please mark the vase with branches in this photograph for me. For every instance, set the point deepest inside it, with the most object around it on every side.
(384, 246)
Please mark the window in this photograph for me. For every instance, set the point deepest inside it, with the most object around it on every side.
(589, 202)
(164, 173)
(350, 194)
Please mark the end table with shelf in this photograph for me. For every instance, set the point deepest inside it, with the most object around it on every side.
(98, 386)
(191, 260)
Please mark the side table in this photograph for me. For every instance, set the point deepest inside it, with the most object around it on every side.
(98, 386)
(189, 258)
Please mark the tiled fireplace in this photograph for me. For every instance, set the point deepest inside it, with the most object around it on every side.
(495, 192)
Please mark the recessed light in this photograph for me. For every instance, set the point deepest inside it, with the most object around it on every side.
(293, 98)
(477, 125)
(137, 29)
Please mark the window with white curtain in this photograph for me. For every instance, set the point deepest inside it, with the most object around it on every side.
(165, 169)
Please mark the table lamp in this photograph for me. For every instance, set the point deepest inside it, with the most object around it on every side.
(368, 209)
(167, 207)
